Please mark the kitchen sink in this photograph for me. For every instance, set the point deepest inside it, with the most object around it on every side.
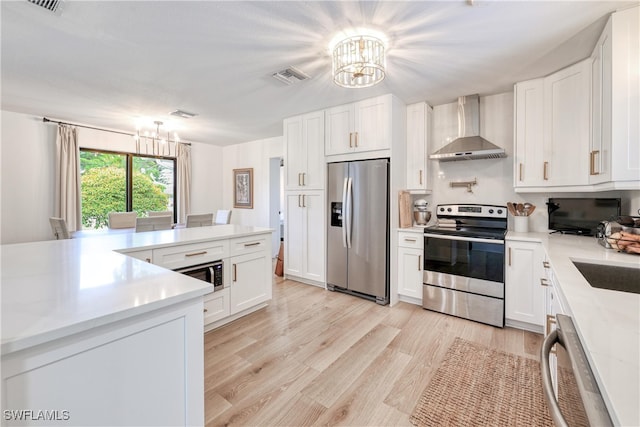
(612, 277)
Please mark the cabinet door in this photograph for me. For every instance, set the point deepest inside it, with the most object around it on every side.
(418, 128)
(567, 125)
(410, 272)
(524, 294)
(305, 235)
(304, 151)
(250, 280)
(313, 177)
(315, 230)
(339, 129)
(294, 234)
(216, 306)
(528, 161)
(600, 150)
(625, 102)
(294, 163)
(373, 124)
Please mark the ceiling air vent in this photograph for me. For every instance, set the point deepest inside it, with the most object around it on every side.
(183, 114)
(291, 75)
(54, 6)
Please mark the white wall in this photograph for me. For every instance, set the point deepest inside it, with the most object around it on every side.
(256, 155)
(27, 178)
(494, 176)
(28, 155)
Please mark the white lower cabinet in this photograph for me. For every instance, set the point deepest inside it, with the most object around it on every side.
(410, 252)
(553, 307)
(145, 255)
(304, 244)
(216, 306)
(145, 370)
(248, 285)
(524, 287)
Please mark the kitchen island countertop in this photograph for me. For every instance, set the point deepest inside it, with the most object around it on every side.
(608, 322)
(53, 289)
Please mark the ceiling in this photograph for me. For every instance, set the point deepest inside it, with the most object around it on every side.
(112, 63)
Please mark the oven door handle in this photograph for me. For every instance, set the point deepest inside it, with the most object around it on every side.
(463, 239)
(547, 384)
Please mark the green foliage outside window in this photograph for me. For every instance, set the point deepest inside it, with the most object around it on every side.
(103, 191)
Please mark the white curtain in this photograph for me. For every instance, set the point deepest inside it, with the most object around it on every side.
(183, 161)
(67, 186)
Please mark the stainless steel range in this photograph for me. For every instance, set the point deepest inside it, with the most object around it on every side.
(464, 262)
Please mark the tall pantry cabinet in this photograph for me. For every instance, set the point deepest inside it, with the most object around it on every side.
(304, 210)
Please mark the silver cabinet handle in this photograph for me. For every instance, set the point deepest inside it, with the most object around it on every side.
(356, 139)
(410, 240)
(350, 139)
(419, 262)
(420, 176)
(544, 282)
(299, 202)
(520, 172)
(246, 245)
(304, 200)
(546, 264)
(299, 177)
(547, 384)
(545, 166)
(304, 178)
(196, 253)
(234, 276)
(509, 256)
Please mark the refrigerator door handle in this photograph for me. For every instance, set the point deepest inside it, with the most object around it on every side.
(344, 212)
(349, 211)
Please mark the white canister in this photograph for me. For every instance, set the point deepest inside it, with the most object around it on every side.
(521, 224)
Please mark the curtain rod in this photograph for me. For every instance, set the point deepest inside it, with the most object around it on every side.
(46, 120)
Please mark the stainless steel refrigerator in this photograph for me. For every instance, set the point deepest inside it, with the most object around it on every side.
(358, 229)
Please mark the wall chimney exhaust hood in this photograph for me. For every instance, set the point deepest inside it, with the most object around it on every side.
(469, 145)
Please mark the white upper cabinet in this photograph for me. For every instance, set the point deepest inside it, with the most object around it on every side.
(552, 129)
(567, 125)
(529, 100)
(600, 150)
(361, 126)
(304, 151)
(615, 151)
(419, 118)
(589, 122)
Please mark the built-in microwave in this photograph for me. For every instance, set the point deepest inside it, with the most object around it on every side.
(211, 272)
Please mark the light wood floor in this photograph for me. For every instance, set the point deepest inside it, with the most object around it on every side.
(315, 357)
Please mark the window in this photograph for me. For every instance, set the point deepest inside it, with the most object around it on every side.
(119, 182)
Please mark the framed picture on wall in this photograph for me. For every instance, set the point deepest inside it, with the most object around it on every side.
(243, 188)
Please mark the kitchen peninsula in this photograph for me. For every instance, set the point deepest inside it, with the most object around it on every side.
(93, 332)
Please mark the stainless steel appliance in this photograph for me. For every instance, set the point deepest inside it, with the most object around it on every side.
(463, 271)
(578, 393)
(211, 272)
(358, 232)
(421, 215)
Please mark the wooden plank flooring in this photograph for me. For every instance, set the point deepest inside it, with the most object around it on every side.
(315, 357)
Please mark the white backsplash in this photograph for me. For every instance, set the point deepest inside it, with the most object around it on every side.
(494, 176)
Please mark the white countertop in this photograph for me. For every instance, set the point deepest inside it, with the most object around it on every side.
(608, 322)
(56, 288)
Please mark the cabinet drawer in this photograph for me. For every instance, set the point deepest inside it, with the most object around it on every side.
(410, 240)
(249, 244)
(216, 306)
(145, 255)
(192, 254)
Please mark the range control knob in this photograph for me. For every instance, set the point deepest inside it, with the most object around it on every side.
(441, 209)
(490, 211)
(448, 209)
(499, 211)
